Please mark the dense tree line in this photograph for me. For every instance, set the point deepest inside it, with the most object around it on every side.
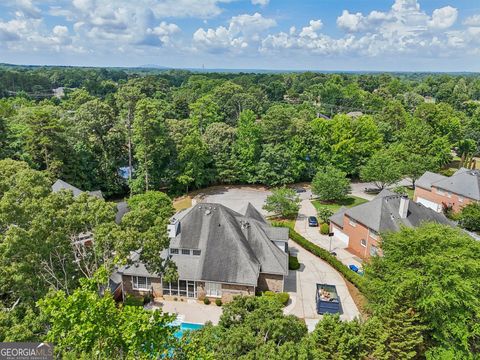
(180, 130)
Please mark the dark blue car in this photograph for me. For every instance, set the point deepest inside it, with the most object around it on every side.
(312, 221)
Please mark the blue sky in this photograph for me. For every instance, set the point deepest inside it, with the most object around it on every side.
(403, 35)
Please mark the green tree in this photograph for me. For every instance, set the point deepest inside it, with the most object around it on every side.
(382, 169)
(276, 166)
(283, 202)
(324, 214)
(406, 277)
(149, 139)
(87, 324)
(247, 146)
(204, 112)
(220, 140)
(330, 184)
(470, 217)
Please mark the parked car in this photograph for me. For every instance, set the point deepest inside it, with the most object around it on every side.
(300, 190)
(312, 221)
(355, 269)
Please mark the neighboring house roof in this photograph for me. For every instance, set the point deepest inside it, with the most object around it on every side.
(235, 248)
(382, 213)
(337, 218)
(63, 185)
(463, 182)
(426, 180)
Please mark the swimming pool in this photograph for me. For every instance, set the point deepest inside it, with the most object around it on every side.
(187, 326)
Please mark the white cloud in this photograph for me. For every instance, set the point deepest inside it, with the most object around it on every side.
(260, 2)
(473, 20)
(443, 18)
(351, 22)
(311, 30)
(241, 32)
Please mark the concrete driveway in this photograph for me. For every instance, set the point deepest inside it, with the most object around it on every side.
(237, 198)
(301, 285)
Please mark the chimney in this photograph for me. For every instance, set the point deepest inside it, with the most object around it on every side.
(403, 208)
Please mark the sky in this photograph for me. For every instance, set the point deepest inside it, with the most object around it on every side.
(353, 35)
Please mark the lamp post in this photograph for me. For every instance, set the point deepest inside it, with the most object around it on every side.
(330, 234)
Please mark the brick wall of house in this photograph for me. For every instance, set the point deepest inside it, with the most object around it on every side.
(156, 284)
(455, 200)
(270, 282)
(229, 291)
(356, 234)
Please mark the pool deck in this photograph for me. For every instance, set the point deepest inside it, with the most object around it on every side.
(190, 311)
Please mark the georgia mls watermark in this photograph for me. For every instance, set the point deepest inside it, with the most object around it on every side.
(26, 351)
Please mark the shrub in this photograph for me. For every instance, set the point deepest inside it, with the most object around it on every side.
(218, 302)
(324, 229)
(324, 213)
(283, 202)
(348, 274)
(175, 299)
(293, 263)
(269, 293)
(206, 301)
(147, 299)
(131, 300)
(470, 217)
(283, 297)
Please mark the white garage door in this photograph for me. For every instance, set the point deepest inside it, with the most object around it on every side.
(340, 235)
(429, 204)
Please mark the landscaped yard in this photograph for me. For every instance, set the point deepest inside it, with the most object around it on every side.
(182, 203)
(350, 201)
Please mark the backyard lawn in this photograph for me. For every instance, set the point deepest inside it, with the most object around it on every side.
(350, 201)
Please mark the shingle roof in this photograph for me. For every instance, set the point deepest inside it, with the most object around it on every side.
(382, 214)
(337, 218)
(63, 185)
(464, 182)
(427, 179)
(234, 248)
(252, 212)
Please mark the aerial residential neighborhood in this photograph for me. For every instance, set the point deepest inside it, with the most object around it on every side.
(240, 179)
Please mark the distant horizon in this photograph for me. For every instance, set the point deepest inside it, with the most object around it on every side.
(238, 70)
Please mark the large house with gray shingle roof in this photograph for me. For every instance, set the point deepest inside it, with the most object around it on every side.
(360, 227)
(438, 191)
(219, 253)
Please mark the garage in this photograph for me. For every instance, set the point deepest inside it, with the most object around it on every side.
(340, 235)
(429, 204)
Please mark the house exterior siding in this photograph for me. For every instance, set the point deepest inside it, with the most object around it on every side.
(455, 200)
(270, 282)
(156, 286)
(356, 234)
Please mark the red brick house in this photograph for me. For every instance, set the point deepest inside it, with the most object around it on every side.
(360, 227)
(436, 191)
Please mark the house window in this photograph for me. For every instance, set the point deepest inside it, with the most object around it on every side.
(141, 283)
(363, 242)
(460, 199)
(185, 251)
(373, 234)
(440, 192)
(173, 251)
(373, 250)
(213, 289)
(352, 222)
(196, 252)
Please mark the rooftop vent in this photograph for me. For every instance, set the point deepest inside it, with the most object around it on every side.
(207, 212)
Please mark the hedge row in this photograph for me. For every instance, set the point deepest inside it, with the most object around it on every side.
(323, 254)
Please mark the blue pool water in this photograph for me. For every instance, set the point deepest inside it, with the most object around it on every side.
(187, 326)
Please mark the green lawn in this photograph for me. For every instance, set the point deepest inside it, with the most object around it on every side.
(348, 202)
